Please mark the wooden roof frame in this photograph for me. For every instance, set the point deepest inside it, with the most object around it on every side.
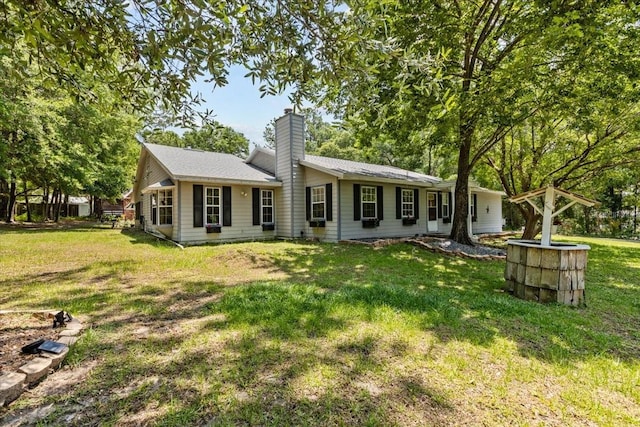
(549, 193)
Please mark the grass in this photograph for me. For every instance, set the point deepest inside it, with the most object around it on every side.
(293, 333)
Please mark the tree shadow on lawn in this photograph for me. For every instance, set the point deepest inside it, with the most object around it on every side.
(252, 347)
(240, 355)
(463, 300)
(51, 227)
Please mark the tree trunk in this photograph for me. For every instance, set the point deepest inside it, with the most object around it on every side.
(460, 228)
(4, 198)
(587, 223)
(45, 202)
(57, 206)
(11, 207)
(26, 202)
(635, 211)
(532, 223)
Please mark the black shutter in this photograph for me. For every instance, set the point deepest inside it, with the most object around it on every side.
(226, 206)
(416, 203)
(439, 204)
(356, 202)
(398, 203)
(255, 202)
(198, 206)
(474, 218)
(308, 202)
(380, 203)
(328, 204)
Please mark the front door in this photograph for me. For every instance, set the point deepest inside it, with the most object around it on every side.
(432, 212)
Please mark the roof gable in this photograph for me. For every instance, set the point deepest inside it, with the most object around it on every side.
(192, 164)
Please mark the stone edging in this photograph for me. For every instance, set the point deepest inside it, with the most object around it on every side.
(14, 383)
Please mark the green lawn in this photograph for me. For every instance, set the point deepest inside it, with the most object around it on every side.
(285, 333)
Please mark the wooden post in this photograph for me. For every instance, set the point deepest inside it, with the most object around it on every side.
(549, 202)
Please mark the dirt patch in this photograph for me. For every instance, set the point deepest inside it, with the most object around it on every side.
(18, 330)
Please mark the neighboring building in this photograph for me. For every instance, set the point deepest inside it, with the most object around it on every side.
(195, 196)
(121, 207)
(73, 206)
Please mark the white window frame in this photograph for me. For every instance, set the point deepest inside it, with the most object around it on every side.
(445, 205)
(407, 203)
(369, 195)
(212, 205)
(266, 196)
(318, 198)
(165, 207)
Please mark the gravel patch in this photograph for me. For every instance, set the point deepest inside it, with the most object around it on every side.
(452, 246)
(439, 245)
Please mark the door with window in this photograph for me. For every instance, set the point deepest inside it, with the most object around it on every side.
(432, 212)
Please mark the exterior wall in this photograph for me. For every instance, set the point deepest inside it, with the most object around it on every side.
(241, 228)
(289, 149)
(389, 226)
(488, 222)
(153, 173)
(83, 210)
(330, 231)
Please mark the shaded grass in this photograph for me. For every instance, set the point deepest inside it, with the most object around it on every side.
(323, 334)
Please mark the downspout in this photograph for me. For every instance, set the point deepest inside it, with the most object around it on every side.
(291, 186)
(339, 213)
(178, 211)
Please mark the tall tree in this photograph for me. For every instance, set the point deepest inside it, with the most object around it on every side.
(218, 138)
(213, 136)
(398, 66)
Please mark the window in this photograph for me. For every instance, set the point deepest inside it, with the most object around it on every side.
(212, 205)
(407, 203)
(432, 206)
(154, 209)
(267, 206)
(165, 204)
(445, 205)
(369, 199)
(317, 202)
(472, 206)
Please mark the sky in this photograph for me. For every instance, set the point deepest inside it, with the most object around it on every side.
(238, 104)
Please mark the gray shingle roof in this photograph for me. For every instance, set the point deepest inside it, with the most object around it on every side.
(185, 163)
(348, 167)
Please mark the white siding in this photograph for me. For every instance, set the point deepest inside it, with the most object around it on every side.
(241, 228)
(330, 231)
(389, 226)
(488, 222)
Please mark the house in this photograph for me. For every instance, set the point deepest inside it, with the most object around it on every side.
(120, 207)
(193, 196)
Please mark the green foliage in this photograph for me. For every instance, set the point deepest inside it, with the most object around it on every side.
(210, 137)
(218, 138)
(54, 143)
